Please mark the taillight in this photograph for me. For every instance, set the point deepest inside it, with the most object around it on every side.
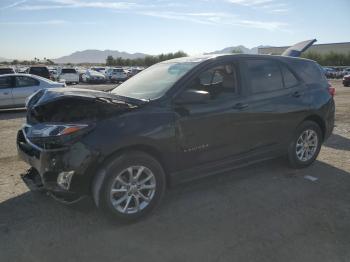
(331, 90)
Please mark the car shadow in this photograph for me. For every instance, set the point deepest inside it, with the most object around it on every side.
(263, 208)
(338, 142)
(8, 114)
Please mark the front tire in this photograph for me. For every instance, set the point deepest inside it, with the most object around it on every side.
(133, 186)
(306, 145)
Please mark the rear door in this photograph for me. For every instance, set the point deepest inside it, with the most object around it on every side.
(277, 102)
(6, 86)
(24, 87)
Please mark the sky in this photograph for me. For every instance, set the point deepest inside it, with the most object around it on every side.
(54, 28)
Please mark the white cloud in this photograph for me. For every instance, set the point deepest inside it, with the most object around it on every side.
(161, 11)
(216, 19)
(271, 6)
(13, 5)
(46, 22)
(250, 2)
(57, 4)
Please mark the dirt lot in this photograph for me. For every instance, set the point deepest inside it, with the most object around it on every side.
(266, 212)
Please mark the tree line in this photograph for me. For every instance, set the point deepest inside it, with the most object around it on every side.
(146, 61)
(35, 61)
(329, 59)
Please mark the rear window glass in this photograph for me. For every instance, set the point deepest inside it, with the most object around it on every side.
(4, 71)
(264, 76)
(69, 71)
(119, 70)
(39, 70)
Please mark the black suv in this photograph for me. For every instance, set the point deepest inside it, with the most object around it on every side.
(42, 71)
(6, 70)
(175, 121)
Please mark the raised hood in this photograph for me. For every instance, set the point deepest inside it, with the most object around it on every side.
(75, 105)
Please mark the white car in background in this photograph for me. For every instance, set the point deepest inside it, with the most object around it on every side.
(69, 75)
(118, 75)
(15, 88)
(100, 69)
(91, 76)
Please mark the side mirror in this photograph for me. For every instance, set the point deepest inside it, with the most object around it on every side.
(192, 96)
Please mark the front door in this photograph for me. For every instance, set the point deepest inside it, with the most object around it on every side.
(214, 130)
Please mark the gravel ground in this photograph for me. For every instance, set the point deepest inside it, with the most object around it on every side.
(266, 212)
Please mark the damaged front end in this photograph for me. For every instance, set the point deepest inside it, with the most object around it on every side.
(53, 143)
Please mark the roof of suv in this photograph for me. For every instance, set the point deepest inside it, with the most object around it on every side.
(202, 58)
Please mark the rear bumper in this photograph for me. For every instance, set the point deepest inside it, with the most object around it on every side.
(48, 164)
(346, 82)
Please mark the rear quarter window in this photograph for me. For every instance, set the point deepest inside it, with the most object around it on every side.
(289, 78)
(309, 71)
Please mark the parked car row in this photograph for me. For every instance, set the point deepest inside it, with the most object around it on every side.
(336, 73)
(71, 75)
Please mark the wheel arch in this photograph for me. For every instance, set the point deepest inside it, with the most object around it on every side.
(319, 121)
(99, 176)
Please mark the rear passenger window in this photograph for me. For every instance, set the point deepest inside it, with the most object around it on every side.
(289, 78)
(24, 81)
(264, 76)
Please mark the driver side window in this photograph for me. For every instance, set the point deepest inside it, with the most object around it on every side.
(219, 81)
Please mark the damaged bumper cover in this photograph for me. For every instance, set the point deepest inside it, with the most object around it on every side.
(63, 172)
(56, 140)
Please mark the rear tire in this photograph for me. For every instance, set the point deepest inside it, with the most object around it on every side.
(306, 145)
(133, 186)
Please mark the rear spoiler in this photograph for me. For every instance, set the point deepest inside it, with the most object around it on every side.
(297, 49)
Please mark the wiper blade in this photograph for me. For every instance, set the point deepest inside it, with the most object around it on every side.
(131, 99)
(115, 101)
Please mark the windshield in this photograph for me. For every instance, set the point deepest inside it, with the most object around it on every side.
(155, 81)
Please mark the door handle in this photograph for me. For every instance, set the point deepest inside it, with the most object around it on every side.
(296, 94)
(240, 106)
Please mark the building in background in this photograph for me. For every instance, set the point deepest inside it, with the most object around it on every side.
(340, 48)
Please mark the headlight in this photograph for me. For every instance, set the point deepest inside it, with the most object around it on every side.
(53, 130)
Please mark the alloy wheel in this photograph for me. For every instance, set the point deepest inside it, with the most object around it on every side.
(306, 145)
(133, 189)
